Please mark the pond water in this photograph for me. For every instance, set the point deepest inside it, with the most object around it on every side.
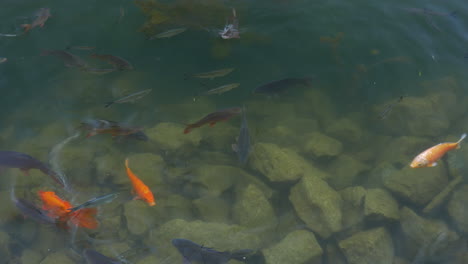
(331, 102)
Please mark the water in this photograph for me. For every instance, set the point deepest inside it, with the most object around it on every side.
(328, 135)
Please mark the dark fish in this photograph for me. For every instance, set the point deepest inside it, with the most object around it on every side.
(118, 62)
(30, 210)
(24, 162)
(101, 126)
(213, 118)
(197, 253)
(388, 109)
(94, 257)
(276, 87)
(103, 199)
(243, 141)
(138, 136)
(69, 59)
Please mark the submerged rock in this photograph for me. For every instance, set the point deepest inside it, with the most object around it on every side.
(29, 256)
(353, 205)
(345, 171)
(400, 151)
(374, 246)
(297, 247)
(458, 208)
(149, 168)
(214, 179)
(280, 164)
(346, 129)
(419, 185)
(379, 205)
(419, 233)
(440, 198)
(334, 255)
(170, 136)
(57, 257)
(212, 208)
(138, 217)
(318, 205)
(252, 209)
(319, 145)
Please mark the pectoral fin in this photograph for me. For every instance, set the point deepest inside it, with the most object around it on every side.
(433, 164)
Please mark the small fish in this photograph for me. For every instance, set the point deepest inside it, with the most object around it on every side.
(24, 162)
(168, 34)
(70, 60)
(101, 126)
(130, 98)
(142, 191)
(193, 252)
(41, 17)
(213, 118)
(99, 71)
(8, 35)
(212, 74)
(242, 148)
(28, 209)
(96, 201)
(429, 157)
(276, 87)
(118, 62)
(137, 135)
(80, 47)
(2, 59)
(231, 29)
(222, 89)
(94, 257)
(388, 109)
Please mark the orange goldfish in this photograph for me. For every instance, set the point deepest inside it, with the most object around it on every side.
(429, 157)
(59, 209)
(142, 191)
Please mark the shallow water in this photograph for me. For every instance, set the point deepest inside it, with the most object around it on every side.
(380, 52)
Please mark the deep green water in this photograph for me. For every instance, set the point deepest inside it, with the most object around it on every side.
(404, 54)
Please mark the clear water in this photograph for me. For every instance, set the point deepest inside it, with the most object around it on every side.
(43, 102)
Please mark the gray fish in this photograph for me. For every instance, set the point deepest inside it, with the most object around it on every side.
(212, 74)
(2, 59)
(8, 35)
(168, 34)
(192, 252)
(388, 109)
(279, 86)
(24, 162)
(69, 59)
(118, 62)
(222, 89)
(242, 148)
(96, 201)
(130, 98)
(94, 257)
(30, 210)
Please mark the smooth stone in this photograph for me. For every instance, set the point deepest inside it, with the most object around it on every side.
(171, 137)
(57, 257)
(319, 145)
(138, 217)
(379, 205)
(252, 209)
(353, 205)
(458, 208)
(345, 170)
(212, 208)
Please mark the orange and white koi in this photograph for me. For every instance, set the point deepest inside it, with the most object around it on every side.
(430, 156)
(142, 191)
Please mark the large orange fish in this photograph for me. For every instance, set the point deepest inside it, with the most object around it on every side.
(142, 191)
(429, 157)
(58, 208)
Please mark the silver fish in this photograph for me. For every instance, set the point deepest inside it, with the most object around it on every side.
(231, 29)
(242, 148)
(388, 109)
(2, 59)
(168, 34)
(222, 89)
(8, 35)
(212, 74)
(96, 201)
(130, 98)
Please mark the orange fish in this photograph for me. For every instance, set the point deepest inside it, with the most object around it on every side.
(59, 209)
(429, 157)
(142, 191)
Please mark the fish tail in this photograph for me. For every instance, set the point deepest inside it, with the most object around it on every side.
(26, 27)
(108, 104)
(188, 129)
(460, 140)
(241, 254)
